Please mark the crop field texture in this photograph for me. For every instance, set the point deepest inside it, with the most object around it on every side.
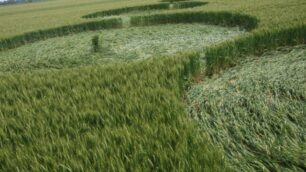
(215, 87)
(146, 8)
(257, 111)
(102, 118)
(31, 17)
(118, 45)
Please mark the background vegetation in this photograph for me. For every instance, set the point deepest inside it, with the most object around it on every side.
(16, 20)
(146, 8)
(12, 2)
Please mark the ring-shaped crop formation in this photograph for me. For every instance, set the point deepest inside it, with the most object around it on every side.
(213, 18)
(216, 18)
(143, 8)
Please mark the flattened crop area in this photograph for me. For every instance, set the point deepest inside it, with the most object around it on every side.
(257, 111)
(142, 42)
(117, 45)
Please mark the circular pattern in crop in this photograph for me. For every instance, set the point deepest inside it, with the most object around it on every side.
(116, 45)
(146, 8)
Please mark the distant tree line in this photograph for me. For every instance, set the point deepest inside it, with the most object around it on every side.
(8, 2)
